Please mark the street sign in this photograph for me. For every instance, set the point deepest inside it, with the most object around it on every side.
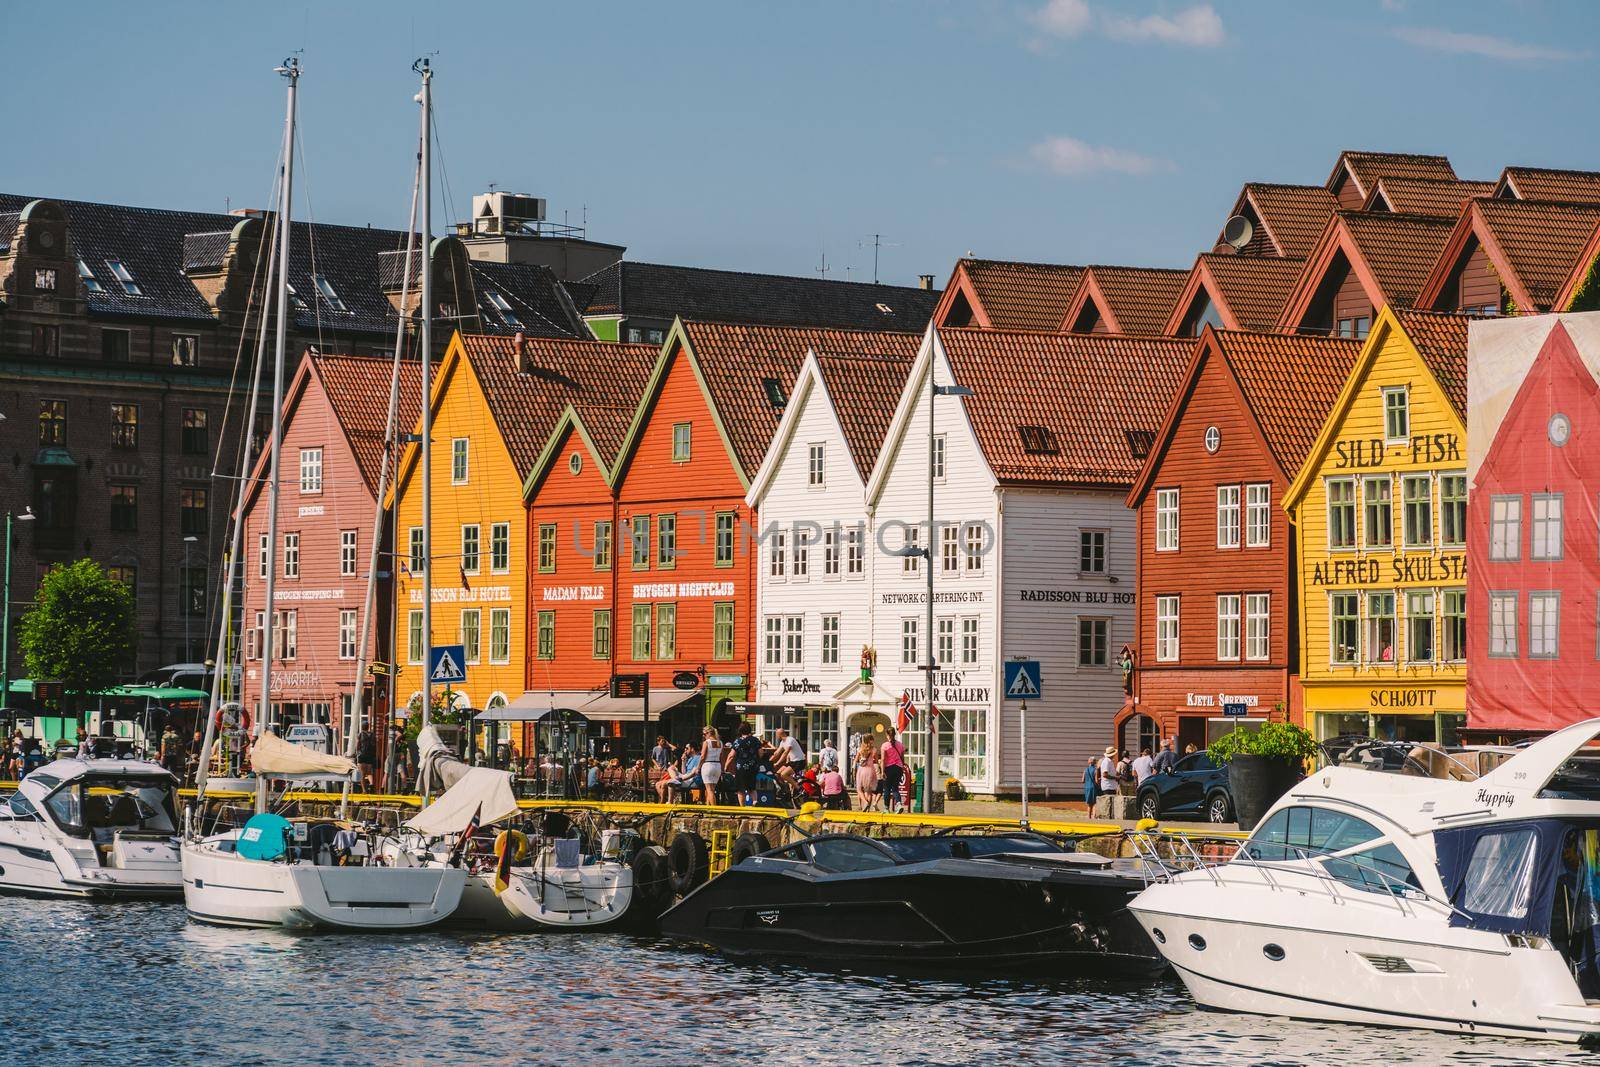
(1022, 679)
(1235, 711)
(377, 669)
(629, 686)
(686, 680)
(448, 664)
(727, 680)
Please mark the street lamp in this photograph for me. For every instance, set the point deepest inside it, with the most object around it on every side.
(188, 591)
(5, 608)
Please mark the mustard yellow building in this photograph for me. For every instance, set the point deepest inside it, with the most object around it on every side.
(1379, 512)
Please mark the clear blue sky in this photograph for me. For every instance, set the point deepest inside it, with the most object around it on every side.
(759, 136)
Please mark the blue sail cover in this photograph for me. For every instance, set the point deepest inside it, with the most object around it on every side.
(264, 837)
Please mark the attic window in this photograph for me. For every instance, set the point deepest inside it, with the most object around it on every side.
(886, 309)
(1038, 441)
(119, 272)
(294, 296)
(329, 293)
(90, 282)
(1140, 442)
(774, 391)
(503, 306)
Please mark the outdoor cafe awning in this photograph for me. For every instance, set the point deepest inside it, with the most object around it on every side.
(536, 704)
(631, 709)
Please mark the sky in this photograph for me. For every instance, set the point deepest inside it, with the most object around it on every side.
(781, 137)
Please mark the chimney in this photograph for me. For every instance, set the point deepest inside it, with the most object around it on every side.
(924, 281)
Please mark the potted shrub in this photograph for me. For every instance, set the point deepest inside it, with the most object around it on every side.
(1262, 765)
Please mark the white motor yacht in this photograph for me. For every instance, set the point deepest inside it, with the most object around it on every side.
(91, 828)
(1447, 901)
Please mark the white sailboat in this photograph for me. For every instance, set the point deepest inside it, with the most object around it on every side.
(305, 874)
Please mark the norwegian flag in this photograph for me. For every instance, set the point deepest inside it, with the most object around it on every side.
(905, 712)
(458, 853)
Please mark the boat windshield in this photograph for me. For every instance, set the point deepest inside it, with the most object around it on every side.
(1349, 849)
(106, 804)
(923, 849)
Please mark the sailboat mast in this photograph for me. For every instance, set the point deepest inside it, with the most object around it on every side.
(291, 71)
(426, 197)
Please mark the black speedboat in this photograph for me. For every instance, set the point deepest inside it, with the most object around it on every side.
(980, 901)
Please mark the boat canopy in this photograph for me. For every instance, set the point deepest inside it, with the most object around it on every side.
(272, 755)
(1529, 876)
(483, 790)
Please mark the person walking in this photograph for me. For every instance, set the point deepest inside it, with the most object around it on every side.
(711, 764)
(746, 763)
(1166, 759)
(867, 774)
(828, 756)
(894, 770)
(1143, 767)
(834, 797)
(1107, 770)
(1090, 785)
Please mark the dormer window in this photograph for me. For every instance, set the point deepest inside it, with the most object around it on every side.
(294, 296)
(503, 306)
(1038, 441)
(1140, 442)
(124, 277)
(90, 282)
(44, 280)
(329, 293)
(774, 390)
(885, 308)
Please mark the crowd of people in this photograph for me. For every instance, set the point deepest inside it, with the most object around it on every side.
(1114, 772)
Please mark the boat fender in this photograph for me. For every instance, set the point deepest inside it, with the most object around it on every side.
(746, 845)
(651, 879)
(688, 862)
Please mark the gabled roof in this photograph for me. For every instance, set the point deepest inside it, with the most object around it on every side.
(1541, 183)
(1365, 168)
(1390, 253)
(1292, 216)
(1136, 301)
(1424, 196)
(1247, 291)
(1287, 382)
(1536, 247)
(1089, 397)
(1441, 341)
(859, 392)
(357, 388)
(1006, 295)
(659, 291)
(741, 368)
(1558, 379)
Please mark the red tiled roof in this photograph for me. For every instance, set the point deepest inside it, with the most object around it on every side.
(1400, 250)
(1368, 167)
(528, 391)
(1441, 340)
(737, 359)
(1086, 391)
(1140, 299)
(1023, 296)
(864, 390)
(1254, 288)
(1539, 183)
(1541, 241)
(357, 388)
(1294, 215)
(1290, 382)
(1427, 196)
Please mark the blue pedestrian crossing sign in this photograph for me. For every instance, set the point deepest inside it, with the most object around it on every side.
(1022, 679)
(448, 663)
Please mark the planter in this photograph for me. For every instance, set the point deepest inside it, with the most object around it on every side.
(1256, 783)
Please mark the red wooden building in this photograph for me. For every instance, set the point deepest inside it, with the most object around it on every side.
(1532, 549)
(333, 441)
(1216, 576)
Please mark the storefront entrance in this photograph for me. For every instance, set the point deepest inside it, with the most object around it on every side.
(1441, 728)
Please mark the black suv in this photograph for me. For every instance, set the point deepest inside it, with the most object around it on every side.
(1196, 787)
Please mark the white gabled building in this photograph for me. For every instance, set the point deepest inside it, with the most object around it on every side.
(814, 588)
(1034, 549)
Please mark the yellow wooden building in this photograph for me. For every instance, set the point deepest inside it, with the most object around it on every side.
(479, 535)
(1379, 513)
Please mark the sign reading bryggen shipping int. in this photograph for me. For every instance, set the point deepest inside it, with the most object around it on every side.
(1380, 513)
(1533, 542)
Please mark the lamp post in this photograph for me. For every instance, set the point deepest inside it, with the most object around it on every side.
(188, 604)
(5, 610)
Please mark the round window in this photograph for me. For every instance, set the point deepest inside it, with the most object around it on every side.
(575, 463)
(1197, 942)
(1161, 938)
(1273, 952)
(1213, 439)
(1560, 429)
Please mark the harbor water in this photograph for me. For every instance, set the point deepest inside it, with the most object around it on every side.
(132, 984)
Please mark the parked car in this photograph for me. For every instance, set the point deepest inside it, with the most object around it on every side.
(1196, 787)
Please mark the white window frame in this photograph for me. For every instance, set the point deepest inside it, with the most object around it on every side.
(682, 442)
(1541, 531)
(415, 639)
(500, 534)
(1333, 629)
(347, 634)
(944, 629)
(772, 640)
(476, 555)
(830, 640)
(1373, 656)
(1505, 527)
(1257, 626)
(1502, 620)
(1353, 504)
(972, 548)
(460, 460)
(949, 548)
(499, 622)
(348, 547)
(1092, 550)
(291, 555)
(830, 552)
(1408, 536)
(1093, 622)
(1404, 394)
(910, 643)
(912, 563)
(310, 470)
(1364, 540)
(778, 556)
(939, 456)
(855, 564)
(1229, 627)
(1258, 515)
(816, 465)
(1168, 502)
(794, 640)
(471, 651)
(416, 550)
(1168, 628)
(969, 641)
(1544, 615)
(263, 545)
(1228, 517)
(1432, 615)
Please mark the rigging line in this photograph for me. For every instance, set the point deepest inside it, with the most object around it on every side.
(450, 205)
(311, 239)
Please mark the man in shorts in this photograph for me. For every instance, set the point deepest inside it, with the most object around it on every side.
(790, 757)
(746, 763)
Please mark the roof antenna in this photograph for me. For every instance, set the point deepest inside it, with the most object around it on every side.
(877, 243)
(823, 268)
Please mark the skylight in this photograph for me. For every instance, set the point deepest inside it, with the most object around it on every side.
(1038, 441)
(774, 391)
(90, 282)
(329, 293)
(886, 309)
(121, 274)
(502, 305)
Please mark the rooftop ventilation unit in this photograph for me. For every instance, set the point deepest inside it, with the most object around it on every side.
(506, 212)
